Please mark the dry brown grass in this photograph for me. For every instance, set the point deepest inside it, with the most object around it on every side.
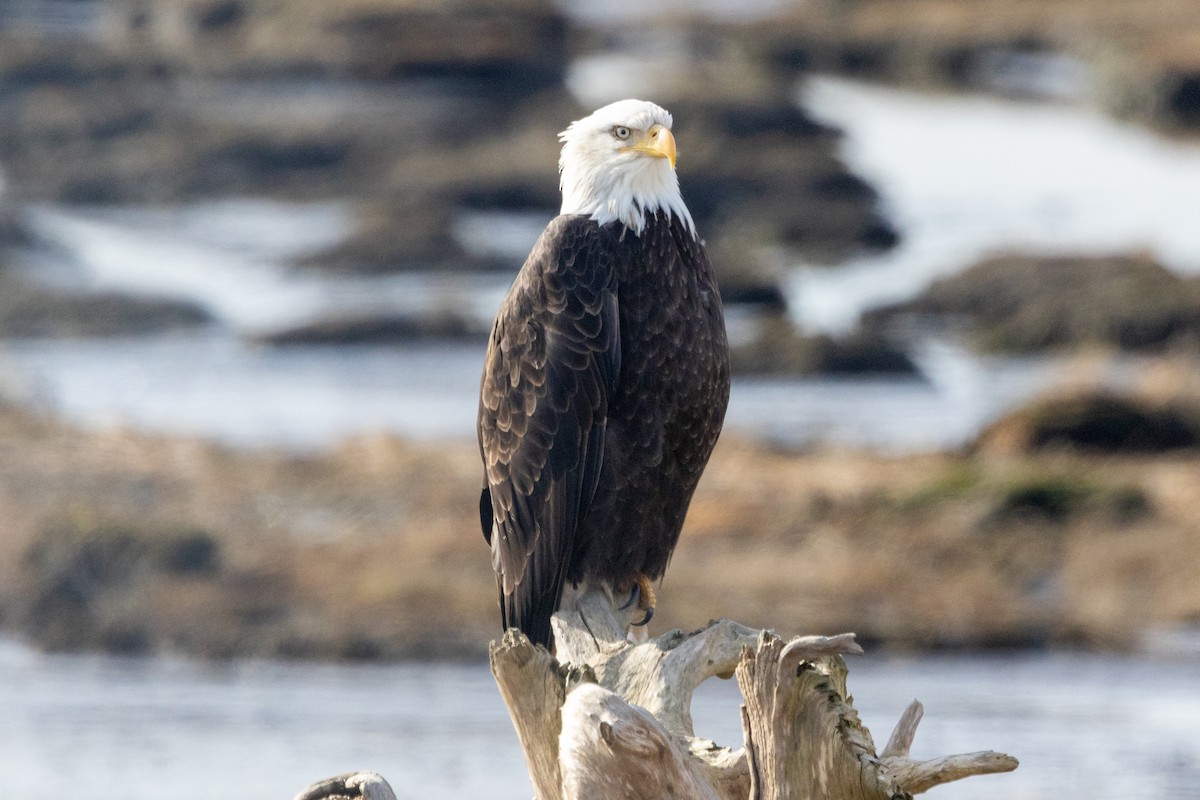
(362, 543)
(942, 550)
(373, 549)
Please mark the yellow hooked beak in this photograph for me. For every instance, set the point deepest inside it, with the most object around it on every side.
(657, 142)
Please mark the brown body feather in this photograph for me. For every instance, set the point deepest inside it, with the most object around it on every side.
(603, 393)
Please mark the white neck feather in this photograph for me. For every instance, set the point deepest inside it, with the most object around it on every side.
(627, 191)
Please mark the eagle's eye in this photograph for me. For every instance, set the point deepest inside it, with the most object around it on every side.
(621, 132)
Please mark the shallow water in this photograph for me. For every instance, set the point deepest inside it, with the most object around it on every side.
(231, 258)
(307, 397)
(235, 258)
(1083, 726)
(216, 387)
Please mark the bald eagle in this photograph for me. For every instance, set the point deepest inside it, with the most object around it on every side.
(606, 378)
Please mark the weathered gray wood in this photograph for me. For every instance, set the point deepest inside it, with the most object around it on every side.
(920, 776)
(611, 749)
(803, 737)
(611, 718)
(349, 786)
(534, 689)
(902, 737)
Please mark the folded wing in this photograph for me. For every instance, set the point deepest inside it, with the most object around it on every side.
(552, 365)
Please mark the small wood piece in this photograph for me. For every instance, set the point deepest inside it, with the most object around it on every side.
(902, 737)
(349, 786)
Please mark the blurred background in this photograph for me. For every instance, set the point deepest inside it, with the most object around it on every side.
(249, 254)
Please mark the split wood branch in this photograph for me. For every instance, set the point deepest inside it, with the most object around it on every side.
(802, 735)
(921, 776)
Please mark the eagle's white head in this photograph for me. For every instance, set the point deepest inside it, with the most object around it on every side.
(618, 164)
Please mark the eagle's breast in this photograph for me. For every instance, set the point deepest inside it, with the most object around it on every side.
(669, 406)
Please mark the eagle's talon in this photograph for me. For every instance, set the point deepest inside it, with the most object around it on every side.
(635, 598)
(646, 599)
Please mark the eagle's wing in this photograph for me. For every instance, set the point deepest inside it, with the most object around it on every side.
(552, 364)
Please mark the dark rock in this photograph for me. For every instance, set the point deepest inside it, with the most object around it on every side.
(376, 330)
(190, 553)
(1020, 65)
(27, 62)
(84, 558)
(157, 116)
(519, 195)
(766, 297)
(510, 46)
(92, 191)
(58, 618)
(267, 164)
(124, 637)
(361, 648)
(1098, 422)
(765, 167)
(510, 50)
(744, 120)
(260, 159)
(844, 186)
(219, 16)
(779, 350)
(1056, 498)
(748, 276)
(417, 234)
(863, 355)
(1028, 304)
(865, 59)
(1139, 65)
(33, 312)
(877, 233)
(1182, 99)
(730, 139)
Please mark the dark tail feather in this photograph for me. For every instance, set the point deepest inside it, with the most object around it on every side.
(538, 593)
(530, 615)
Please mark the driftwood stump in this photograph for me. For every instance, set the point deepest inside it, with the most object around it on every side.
(611, 718)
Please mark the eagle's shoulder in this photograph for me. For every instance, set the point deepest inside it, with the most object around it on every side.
(572, 243)
(556, 332)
